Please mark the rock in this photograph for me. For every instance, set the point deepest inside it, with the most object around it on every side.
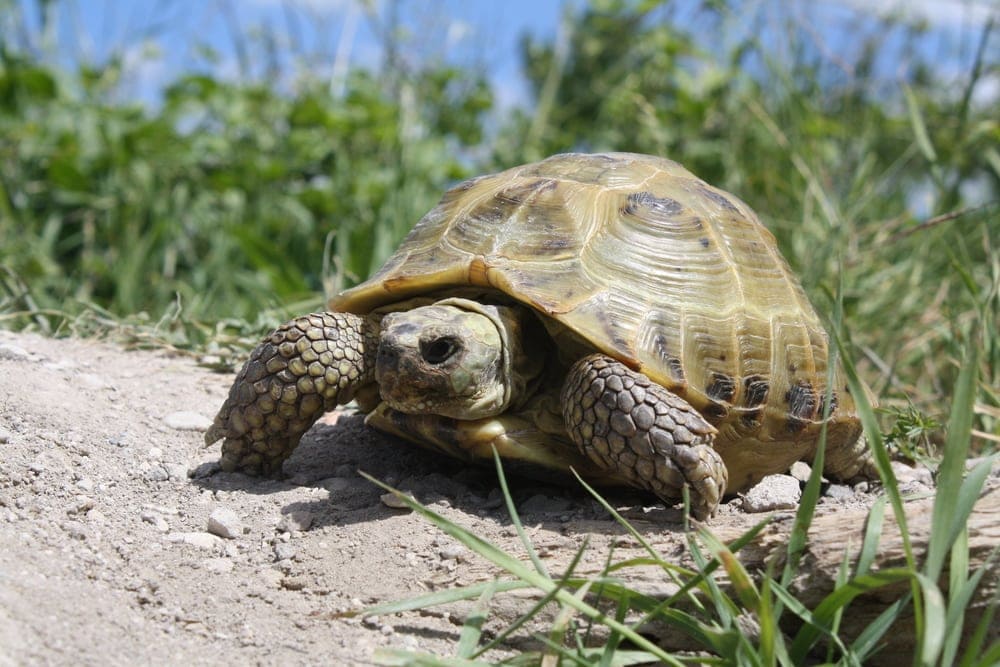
(296, 520)
(200, 540)
(906, 474)
(185, 420)
(774, 492)
(155, 473)
(11, 352)
(5, 436)
(801, 471)
(175, 471)
(451, 552)
(158, 521)
(839, 492)
(283, 551)
(394, 501)
(224, 522)
(81, 505)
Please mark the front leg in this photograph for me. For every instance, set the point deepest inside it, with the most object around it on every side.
(299, 371)
(631, 426)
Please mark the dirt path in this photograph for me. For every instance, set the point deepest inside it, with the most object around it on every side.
(106, 496)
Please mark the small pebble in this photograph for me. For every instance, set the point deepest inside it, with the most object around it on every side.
(224, 522)
(296, 520)
(451, 552)
(774, 492)
(81, 505)
(5, 436)
(187, 421)
(839, 492)
(393, 501)
(284, 551)
(175, 472)
(801, 471)
(11, 352)
(158, 521)
(155, 473)
(200, 540)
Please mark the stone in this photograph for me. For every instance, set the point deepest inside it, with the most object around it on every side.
(224, 522)
(200, 540)
(185, 420)
(11, 352)
(296, 520)
(774, 492)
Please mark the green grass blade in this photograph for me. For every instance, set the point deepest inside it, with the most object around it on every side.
(932, 640)
(472, 630)
(919, 127)
(873, 532)
(515, 517)
(793, 605)
(953, 501)
(975, 644)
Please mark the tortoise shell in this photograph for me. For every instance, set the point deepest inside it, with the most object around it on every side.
(652, 266)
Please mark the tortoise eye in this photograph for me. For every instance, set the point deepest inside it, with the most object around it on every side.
(439, 350)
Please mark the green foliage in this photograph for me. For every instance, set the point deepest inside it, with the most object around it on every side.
(909, 438)
(230, 197)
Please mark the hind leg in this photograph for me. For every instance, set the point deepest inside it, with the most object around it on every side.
(636, 429)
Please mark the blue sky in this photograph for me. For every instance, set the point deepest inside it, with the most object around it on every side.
(163, 38)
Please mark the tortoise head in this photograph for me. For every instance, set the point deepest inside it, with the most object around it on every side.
(456, 358)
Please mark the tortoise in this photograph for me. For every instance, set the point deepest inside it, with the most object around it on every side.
(609, 312)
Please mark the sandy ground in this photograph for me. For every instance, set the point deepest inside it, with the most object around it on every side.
(108, 556)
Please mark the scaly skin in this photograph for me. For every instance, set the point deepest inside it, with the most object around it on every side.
(302, 369)
(628, 424)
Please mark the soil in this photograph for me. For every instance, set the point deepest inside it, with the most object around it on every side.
(111, 511)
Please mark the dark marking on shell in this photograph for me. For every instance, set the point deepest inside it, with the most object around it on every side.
(721, 388)
(493, 210)
(821, 408)
(705, 243)
(802, 402)
(715, 412)
(674, 366)
(792, 367)
(518, 194)
(676, 370)
(755, 389)
(719, 199)
(664, 206)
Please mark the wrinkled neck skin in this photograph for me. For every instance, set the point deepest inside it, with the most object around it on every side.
(459, 358)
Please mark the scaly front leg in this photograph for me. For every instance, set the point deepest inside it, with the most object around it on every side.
(302, 369)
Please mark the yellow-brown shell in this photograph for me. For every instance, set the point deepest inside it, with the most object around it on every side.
(652, 266)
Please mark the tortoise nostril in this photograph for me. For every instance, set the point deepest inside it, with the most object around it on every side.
(388, 355)
(439, 350)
